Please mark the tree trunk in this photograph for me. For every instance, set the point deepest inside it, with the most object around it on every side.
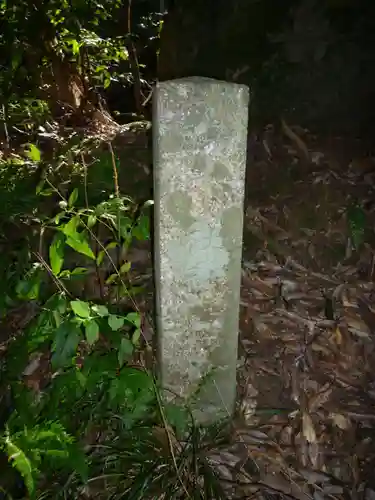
(216, 39)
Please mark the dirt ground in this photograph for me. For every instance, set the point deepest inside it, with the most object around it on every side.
(306, 388)
(307, 323)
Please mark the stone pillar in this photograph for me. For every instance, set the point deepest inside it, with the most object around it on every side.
(200, 135)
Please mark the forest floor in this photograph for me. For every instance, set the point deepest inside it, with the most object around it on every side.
(306, 385)
(307, 316)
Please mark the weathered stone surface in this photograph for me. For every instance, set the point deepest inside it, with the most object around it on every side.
(200, 136)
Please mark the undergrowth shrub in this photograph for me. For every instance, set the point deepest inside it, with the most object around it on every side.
(83, 418)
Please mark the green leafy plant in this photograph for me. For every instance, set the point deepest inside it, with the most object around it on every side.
(98, 423)
(357, 225)
(49, 444)
(90, 341)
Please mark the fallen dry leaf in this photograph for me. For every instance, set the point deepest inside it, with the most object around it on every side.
(308, 429)
(340, 421)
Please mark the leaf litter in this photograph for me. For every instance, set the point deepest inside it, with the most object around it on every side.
(306, 388)
(305, 421)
